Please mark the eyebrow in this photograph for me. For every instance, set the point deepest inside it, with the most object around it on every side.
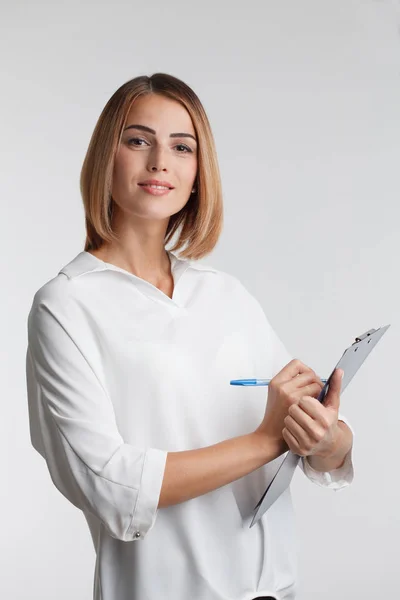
(149, 130)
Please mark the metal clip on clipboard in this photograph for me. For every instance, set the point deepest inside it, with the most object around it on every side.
(364, 335)
(351, 360)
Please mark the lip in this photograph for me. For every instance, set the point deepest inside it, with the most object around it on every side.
(155, 191)
(156, 182)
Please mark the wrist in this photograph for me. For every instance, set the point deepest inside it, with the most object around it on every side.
(270, 446)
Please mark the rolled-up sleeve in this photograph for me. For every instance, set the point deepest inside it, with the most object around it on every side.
(73, 426)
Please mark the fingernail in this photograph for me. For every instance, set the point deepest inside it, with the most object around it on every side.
(342, 374)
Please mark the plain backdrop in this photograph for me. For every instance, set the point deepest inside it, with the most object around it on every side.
(303, 99)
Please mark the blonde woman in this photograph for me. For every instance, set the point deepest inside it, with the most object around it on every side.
(131, 348)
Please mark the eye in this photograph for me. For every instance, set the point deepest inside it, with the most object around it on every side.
(184, 146)
(130, 141)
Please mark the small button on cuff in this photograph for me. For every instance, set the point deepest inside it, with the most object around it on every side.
(137, 534)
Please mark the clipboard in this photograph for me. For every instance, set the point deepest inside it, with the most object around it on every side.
(351, 360)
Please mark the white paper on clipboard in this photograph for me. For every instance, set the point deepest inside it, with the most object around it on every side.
(351, 360)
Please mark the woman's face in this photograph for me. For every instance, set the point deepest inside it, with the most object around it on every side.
(167, 153)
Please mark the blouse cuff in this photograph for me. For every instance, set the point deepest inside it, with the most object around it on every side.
(336, 479)
(146, 508)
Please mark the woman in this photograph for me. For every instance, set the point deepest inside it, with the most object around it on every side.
(131, 349)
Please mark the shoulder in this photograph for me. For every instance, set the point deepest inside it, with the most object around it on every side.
(62, 287)
(49, 310)
(54, 292)
(57, 297)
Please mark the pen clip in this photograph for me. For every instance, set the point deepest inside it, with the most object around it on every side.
(364, 335)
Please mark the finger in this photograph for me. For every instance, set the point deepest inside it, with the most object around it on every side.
(304, 427)
(332, 398)
(298, 391)
(297, 431)
(312, 407)
(305, 379)
(293, 368)
(311, 415)
(291, 441)
(313, 390)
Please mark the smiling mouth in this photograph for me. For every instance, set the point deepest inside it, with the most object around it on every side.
(156, 187)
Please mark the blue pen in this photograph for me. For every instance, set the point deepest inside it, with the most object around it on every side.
(256, 381)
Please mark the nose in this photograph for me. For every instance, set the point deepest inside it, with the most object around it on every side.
(157, 161)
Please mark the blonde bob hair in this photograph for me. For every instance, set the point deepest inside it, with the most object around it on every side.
(200, 220)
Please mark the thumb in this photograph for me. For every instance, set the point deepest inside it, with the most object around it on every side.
(332, 398)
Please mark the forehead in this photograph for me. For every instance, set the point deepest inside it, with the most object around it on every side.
(160, 113)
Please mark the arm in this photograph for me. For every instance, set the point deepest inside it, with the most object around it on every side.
(73, 426)
(191, 473)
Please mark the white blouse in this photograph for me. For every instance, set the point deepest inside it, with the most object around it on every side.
(118, 374)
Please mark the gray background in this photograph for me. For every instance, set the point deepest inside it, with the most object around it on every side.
(303, 98)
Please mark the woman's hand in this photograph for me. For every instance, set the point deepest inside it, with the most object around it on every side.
(285, 390)
(311, 428)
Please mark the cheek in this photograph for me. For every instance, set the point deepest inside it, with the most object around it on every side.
(191, 172)
(124, 165)
(118, 170)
